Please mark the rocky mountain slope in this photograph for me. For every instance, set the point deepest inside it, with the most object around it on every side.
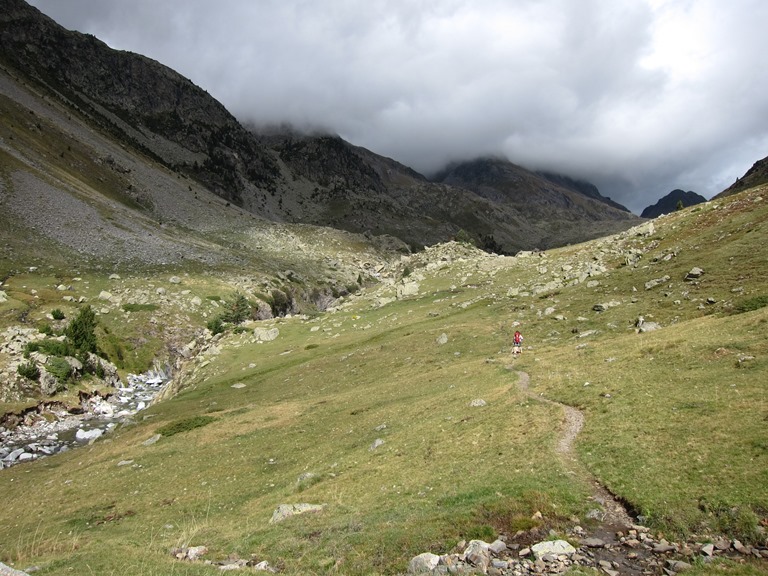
(540, 211)
(586, 188)
(755, 176)
(160, 116)
(671, 202)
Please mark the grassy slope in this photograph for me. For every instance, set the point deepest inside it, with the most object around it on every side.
(674, 422)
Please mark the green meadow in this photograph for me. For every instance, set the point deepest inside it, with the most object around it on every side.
(363, 411)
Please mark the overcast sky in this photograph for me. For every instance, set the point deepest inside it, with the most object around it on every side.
(637, 96)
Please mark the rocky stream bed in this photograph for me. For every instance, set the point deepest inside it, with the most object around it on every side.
(52, 427)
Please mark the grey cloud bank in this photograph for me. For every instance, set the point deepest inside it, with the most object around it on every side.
(637, 96)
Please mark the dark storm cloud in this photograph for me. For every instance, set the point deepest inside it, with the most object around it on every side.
(637, 96)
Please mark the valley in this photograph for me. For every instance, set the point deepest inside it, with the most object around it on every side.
(368, 409)
(333, 331)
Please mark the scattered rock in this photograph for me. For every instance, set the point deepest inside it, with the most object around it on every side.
(191, 554)
(554, 547)
(602, 307)
(478, 554)
(642, 326)
(407, 289)
(88, 435)
(442, 339)
(422, 563)
(694, 274)
(285, 511)
(8, 571)
(593, 543)
(478, 403)
(266, 334)
(151, 440)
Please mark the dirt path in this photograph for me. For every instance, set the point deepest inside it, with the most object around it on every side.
(615, 515)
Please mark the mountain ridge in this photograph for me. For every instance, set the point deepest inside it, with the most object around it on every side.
(320, 180)
(755, 176)
(671, 202)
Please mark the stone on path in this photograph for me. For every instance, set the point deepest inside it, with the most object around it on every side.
(554, 547)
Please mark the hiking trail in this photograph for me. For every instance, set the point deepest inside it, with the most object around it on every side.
(614, 515)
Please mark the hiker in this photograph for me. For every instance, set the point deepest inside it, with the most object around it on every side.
(517, 343)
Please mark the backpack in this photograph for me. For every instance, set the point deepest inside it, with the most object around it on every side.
(518, 338)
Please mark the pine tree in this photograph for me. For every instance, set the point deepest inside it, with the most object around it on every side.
(81, 331)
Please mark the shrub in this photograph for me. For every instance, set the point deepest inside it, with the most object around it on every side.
(750, 304)
(50, 347)
(46, 329)
(29, 370)
(59, 368)
(464, 237)
(215, 325)
(81, 330)
(238, 309)
(57, 314)
(185, 425)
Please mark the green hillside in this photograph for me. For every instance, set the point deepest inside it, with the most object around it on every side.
(369, 410)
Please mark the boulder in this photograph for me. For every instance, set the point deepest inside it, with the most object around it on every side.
(407, 289)
(694, 274)
(284, 511)
(478, 554)
(376, 443)
(48, 383)
(656, 282)
(151, 440)
(423, 563)
(8, 571)
(603, 306)
(266, 334)
(554, 547)
(88, 435)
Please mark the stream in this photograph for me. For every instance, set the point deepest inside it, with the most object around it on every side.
(51, 427)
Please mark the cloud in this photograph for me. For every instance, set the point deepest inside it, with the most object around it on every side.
(637, 96)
